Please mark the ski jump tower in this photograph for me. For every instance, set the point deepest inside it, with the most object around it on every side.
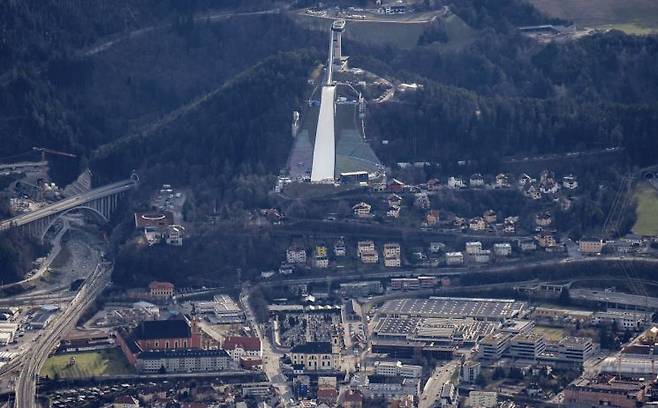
(324, 151)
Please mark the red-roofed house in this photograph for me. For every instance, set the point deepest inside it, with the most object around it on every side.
(161, 289)
(125, 401)
(328, 396)
(352, 399)
(243, 347)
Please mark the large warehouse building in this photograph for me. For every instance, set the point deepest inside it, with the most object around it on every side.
(449, 307)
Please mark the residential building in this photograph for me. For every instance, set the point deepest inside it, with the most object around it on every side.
(476, 180)
(526, 244)
(527, 346)
(473, 247)
(546, 240)
(456, 182)
(351, 399)
(395, 186)
(477, 224)
(432, 217)
(397, 369)
(321, 251)
(174, 235)
(433, 184)
(321, 262)
(590, 246)
(125, 401)
(365, 246)
(369, 257)
(243, 347)
(483, 256)
(393, 212)
(454, 258)
(394, 201)
(614, 393)
(286, 269)
(315, 356)
(161, 290)
(296, 255)
(482, 399)
(543, 219)
(436, 247)
(494, 346)
(392, 262)
(391, 249)
(502, 249)
(422, 201)
(183, 361)
(524, 180)
(449, 396)
(509, 227)
(339, 248)
(624, 319)
(502, 181)
(470, 371)
(569, 182)
(362, 210)
(390, 387)
(490, 217)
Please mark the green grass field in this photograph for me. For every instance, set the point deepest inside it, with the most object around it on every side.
(632, 16)
(87, 364)
(646, 198)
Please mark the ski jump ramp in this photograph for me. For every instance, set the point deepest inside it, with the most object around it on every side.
(324, 152)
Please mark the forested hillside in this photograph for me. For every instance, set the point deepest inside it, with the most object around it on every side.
(187, 94)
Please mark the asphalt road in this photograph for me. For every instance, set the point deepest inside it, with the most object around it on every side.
(49, 338)
(271, 364)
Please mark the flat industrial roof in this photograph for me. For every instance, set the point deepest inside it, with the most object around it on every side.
(614, 297)
(453, 307)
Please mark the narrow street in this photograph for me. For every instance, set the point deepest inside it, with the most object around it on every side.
(271, 358)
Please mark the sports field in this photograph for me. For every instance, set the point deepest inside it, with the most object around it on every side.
(87, 364)
(646, 201)
(632, 16)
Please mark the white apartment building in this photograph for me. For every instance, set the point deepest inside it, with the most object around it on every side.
(473, 247)
(470, 371)
(482, 399)
(365, 246)
(483, 256)
(502, 249)
(391, 249)
(454, 258)
(369, 257)
(624, 319)
(296, 255)
(392, 262)
(397, 369)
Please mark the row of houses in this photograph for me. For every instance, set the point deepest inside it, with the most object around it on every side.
(366, 252)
